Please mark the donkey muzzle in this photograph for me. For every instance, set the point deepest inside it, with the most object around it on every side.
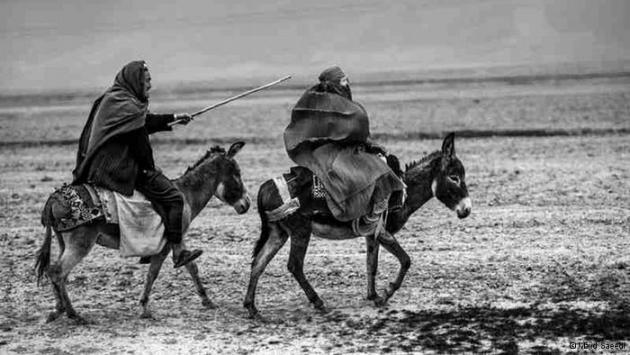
(464, 207)
(242, 205)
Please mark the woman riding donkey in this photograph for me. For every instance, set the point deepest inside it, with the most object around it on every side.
(329, 135)
(115, 152)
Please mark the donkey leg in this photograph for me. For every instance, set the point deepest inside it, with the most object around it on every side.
(299, 244)
(154, 270)
(193, 270)
(372, 266)
(391, 244)
(78, 245)
(277, 238)
(59, 305)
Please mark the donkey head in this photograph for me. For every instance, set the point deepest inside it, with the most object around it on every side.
(449, 185)
(230, 188)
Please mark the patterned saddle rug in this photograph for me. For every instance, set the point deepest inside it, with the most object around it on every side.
(141, 227)
(74, 206)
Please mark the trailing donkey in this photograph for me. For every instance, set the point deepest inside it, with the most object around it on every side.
(215, 174)
(439, 174)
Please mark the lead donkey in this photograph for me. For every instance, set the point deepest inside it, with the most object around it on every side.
(215, 174)
(439, 174)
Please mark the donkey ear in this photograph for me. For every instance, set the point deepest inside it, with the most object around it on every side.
(448, 145)
(235, 148)
(394, 164)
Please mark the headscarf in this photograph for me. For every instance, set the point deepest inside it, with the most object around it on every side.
(332, 74)
(330, 81)
(121, 109)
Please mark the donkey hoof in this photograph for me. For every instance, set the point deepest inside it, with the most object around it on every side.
(52, 316)
(323, 310)
(78, 319)
(380, 301)
(209, 304)
(258, 318)
(252, 312)
(147, 315)
(321, 307)
(255, 315)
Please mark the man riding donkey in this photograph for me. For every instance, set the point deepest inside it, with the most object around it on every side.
(115, 152)
(329, 135)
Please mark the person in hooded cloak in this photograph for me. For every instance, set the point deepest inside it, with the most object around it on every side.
(115, 152)
(329, 134)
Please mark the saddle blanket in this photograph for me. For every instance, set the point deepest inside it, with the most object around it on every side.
(300, 184)
(141, 228)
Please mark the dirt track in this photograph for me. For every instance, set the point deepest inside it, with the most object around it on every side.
(541, 262)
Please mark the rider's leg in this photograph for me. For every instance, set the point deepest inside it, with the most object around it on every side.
(169, 202)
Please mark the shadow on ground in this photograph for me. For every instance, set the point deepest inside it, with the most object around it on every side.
(479, 329)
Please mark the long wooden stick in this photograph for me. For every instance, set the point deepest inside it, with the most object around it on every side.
(249, 92)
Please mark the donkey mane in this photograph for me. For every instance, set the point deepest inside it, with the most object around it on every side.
(423, 162)
(210, 152)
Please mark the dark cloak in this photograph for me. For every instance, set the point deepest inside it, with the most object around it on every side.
(327, 135)
(121, 109)
(322, 115)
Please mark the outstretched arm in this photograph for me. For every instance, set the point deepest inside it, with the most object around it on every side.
(158, 122)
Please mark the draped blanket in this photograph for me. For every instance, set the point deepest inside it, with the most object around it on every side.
(321, 117)
(141, 228)
(119, 110)
(326, 135)
(353, 179)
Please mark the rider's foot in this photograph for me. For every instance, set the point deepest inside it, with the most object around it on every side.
(186, 256)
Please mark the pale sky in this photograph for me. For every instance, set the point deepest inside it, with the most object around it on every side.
(82, 44)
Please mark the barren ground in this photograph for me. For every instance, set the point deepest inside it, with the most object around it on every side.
(541, 262)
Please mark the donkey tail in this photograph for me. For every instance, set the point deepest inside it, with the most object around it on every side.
(43, 255)
(266, 193)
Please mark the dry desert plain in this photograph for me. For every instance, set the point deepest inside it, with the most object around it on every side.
(541, 264)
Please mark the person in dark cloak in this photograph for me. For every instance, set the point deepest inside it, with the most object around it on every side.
(115, 152)
(329, 134)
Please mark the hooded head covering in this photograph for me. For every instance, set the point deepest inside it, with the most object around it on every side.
(121, 109)
(330, 81)
(131, 79)
(333, 74)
